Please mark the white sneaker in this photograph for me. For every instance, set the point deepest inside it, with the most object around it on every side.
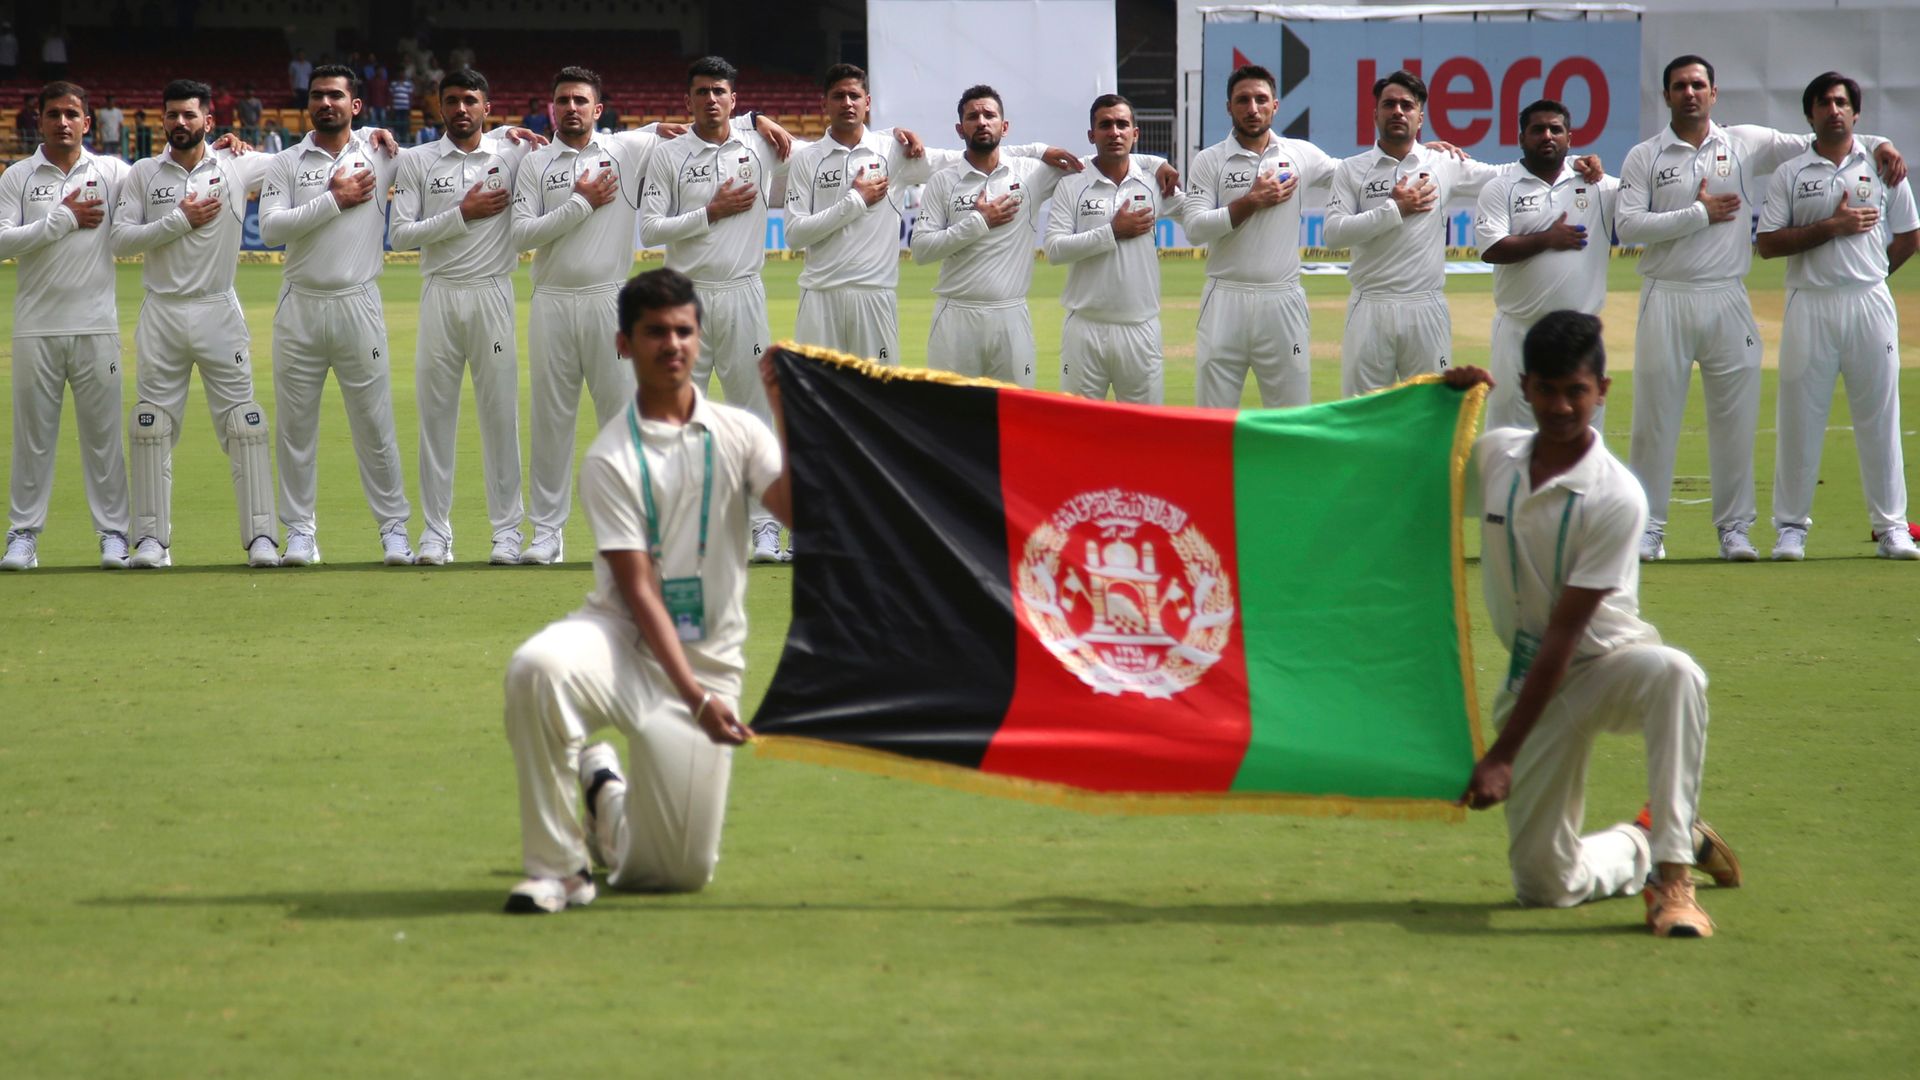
(395, 551)
(550, 896)
(1897, 543)
(766, 542)
(1653, 545)
(1735, 547)
(1792, 545)
(545, 550)
(262, 553)
(435, 550)
(148, 555)
(599, 774)
(113, 552)
(506, 550)
(302, 550)
(23, 551)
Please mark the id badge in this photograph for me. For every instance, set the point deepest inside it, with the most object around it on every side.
(686, 606)
(1525, 648)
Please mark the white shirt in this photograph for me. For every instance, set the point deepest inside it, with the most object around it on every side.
(328, 249)
(66, 275)
(1808, 188)
(1582, 528)
(1518, 203)
(579, 246)
(1660, 199)
(1265, 249)
(108, 124)
(1108, 280)
(433, 179)
(746, 459)
(980, 265)
(684, 175)
(178, 259)
(1395, 255)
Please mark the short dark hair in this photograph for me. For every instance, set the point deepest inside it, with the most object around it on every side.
(1406, 80)
(975, 93)
(60, 89)
(1822, 83)
(656, 289)
(713, 67)
(184, 89)
(1546, 105)
(465, 79)
(1107, 101)
(1251, 71)
(575, 73)
(337, 71)
(841, 73)
(1564, 342)
(1678, 62)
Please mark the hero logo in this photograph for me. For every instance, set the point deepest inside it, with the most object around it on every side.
(1460, 100)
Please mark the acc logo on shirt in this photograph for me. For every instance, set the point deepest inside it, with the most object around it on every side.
(1523, 204)
(313, 177)
(828, 178)
(1668, 175)
(1379, 189)
(441, 185)
(1093, 206)
(557, 181)
(695, 174)
(1811, 189)
(42, 193)
(161, 194)
(1236, 178)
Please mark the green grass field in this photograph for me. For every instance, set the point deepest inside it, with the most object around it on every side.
(261, 823)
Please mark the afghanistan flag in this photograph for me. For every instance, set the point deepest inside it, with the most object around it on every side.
(1122, 607)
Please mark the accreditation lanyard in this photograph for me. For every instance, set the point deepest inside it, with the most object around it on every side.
(685, 598)
(1526, 645)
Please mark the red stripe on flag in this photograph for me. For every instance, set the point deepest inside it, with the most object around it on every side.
(1120, 528)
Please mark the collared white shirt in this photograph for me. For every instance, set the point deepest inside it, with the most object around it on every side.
(66, 274)
(978, 264)
(746, 460)
(1518, 203)
(576, 245)
(1108, 280)
(1265, 249)
(1808, 189)
(178, 259)
(1660, 199)
(1395, 255)
(433, 181)
(328, 249)
(1581, 529)
(684, 175)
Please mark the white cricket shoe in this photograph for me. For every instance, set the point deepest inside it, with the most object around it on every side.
(506, 550)
(147, 555)
(766, 542)
(113, 552)
(550, 896)
(435, 550)
(1653, 545)
(1897, 543)
(1792, 545)
(303, 549)
(394, 549)
(599, 776)
(545, 550)
(262, 553)
(23, 551)
(1735, 547)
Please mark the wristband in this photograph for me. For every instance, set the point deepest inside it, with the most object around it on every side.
(706, 699)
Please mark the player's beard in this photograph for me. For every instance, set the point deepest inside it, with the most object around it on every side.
(983, 141)
(185, 138)
(1253, 127)
(341, 120)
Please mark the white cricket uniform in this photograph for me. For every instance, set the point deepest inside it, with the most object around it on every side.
(1518, 203)
(190, 318)
(1398, 325)
(1839, 323)
(981, 326)
(1111, 337)
(466, 321)
(593, 670)
(329, 317)
(66, 332)
(1582, 529)
(1253, 312)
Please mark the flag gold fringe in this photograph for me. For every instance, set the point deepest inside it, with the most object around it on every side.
(889, 372)
(940, 774)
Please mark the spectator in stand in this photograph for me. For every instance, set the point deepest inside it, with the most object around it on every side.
(379, 97)
(271, 141)
(401, 120)
(429, 76)
(110, 129)
(537, 120)
(247, 114)
(224, 106)
(299, 73)
(53, 55)
(9, 51)
(142, 135)
(28, 123)
(461, 57)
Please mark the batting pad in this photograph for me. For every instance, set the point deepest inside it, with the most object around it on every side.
(151, 463)
(246, 431)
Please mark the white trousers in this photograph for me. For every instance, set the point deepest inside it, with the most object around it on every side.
(468, 325)
(580, 675)
(1124, 357)
(569, 342)
(43, 367)
(346, 333)
(734, 337)
(983, 342)
(863, 322)
(1826, 335)
(1392, 338)
(1263, 329)
(1712, 326)
(1653, 689)
(1506, 407)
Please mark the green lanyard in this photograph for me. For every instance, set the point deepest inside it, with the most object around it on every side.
(646, 493)
(1513, 545)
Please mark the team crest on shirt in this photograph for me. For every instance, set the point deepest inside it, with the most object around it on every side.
(1721, 165)
(1580, 198)
(1865, 189)
(493, 179)
(746, 167)
(1126, 593)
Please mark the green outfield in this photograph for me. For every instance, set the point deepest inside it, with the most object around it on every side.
(260, 823)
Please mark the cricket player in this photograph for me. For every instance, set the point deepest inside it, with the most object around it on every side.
(976, 220)
(1682, 195)
(1548, 232)
(325, 198)
(657, 651)
(451, 202)
(1560, 518)
(183, 212)
(1843, 230)
(1100, 225)
(54, 207)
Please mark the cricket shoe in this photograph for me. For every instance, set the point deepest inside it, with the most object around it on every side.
(263, 553)
(23, 551)
(113, 552)
(435, 550)
(1735, 546)
(1792, 544)
(766, 542)
(1712, 855)
(599, 775)
(545, 550)
(394, 549)
(1653, 545)
(506, 550)
(1673, 912)
(1898, 544)
(303, 549)
(550, 896)
(147, 555)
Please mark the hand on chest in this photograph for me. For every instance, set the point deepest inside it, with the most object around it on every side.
(706, 172)
(1000, 185)
(834, 176)
(1818, 195)
(1533, 209)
